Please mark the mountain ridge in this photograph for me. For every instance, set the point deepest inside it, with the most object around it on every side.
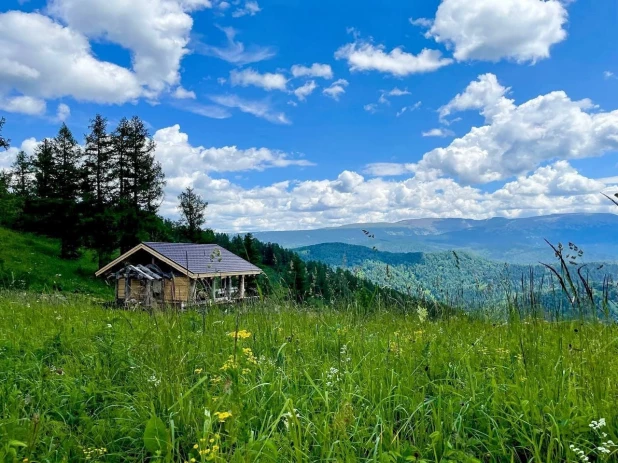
(519, 240)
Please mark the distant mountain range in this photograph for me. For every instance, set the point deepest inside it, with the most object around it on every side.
(519, 240)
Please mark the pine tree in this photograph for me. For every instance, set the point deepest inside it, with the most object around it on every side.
(22, 176)
(250, 250)
(40, 218)
(66, 174)
(120, 141)
(140, 179)
(8, 209)
(22, 186)
(98, 189)
(4, 142)
(43, 164)
(192, 208)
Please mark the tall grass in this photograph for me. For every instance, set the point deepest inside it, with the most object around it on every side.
(82, 383)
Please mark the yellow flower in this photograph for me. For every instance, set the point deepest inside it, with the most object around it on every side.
(192, 460)
(211, 441)
(242, 334)
(198, 371)
(196, 446)
(215, 448)
(222, 416)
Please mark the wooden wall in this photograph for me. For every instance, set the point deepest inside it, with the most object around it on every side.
(176, 290)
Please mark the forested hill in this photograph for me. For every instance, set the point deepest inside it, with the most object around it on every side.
(32, 262)
(442, 275)
(73, 207)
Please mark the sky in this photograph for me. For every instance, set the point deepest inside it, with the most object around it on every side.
(289, 114)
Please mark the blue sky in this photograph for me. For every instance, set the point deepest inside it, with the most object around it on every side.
(290, 114)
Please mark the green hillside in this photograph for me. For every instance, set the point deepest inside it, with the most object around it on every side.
(448, 276)
(31, 262)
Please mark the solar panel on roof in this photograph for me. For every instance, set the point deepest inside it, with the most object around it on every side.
(203, 258)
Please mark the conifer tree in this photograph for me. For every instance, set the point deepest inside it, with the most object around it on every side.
(140, 179)
(192, 208)
(250, 250)
(98, 189)
(66, 173)
(22, 187)
(42, 210)
(22, 176)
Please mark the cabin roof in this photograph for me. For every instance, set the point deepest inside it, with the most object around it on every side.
(203, 258)
(197, 260)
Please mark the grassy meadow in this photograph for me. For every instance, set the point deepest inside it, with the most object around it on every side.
(276, 383)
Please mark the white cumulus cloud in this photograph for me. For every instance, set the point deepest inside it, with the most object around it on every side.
(43, 59)
(23, 105)
(490, 30)
(155, 31)
(315, 70)
(365, 56)
(305, 90)
(517, 138)
(63, 112)
(336, 89)
(268, 81)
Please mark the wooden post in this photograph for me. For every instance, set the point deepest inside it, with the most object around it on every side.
(192, 288)
(213, 289)
(228, 287)
(148, 298)
(242, 287)
(127, 286)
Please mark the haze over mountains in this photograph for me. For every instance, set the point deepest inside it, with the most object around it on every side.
(520, 240)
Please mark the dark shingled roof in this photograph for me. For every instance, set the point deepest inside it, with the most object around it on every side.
(203, 258)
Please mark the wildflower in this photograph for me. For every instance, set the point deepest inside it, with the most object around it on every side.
(229, 364)
(222, 416)
(215, 448)
(196, 446)
(422, 313)
(242, 334)
(211, 440)
(197, 371)
(332, 375)
(154, 380)
(394, 347)
(596, 425)
(249, 354)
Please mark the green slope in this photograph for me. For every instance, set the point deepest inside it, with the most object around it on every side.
(31, 262)
(444, 275)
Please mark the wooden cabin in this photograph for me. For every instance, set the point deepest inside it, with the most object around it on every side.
(153, 274)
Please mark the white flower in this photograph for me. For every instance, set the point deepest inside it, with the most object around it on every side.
(109, 325)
